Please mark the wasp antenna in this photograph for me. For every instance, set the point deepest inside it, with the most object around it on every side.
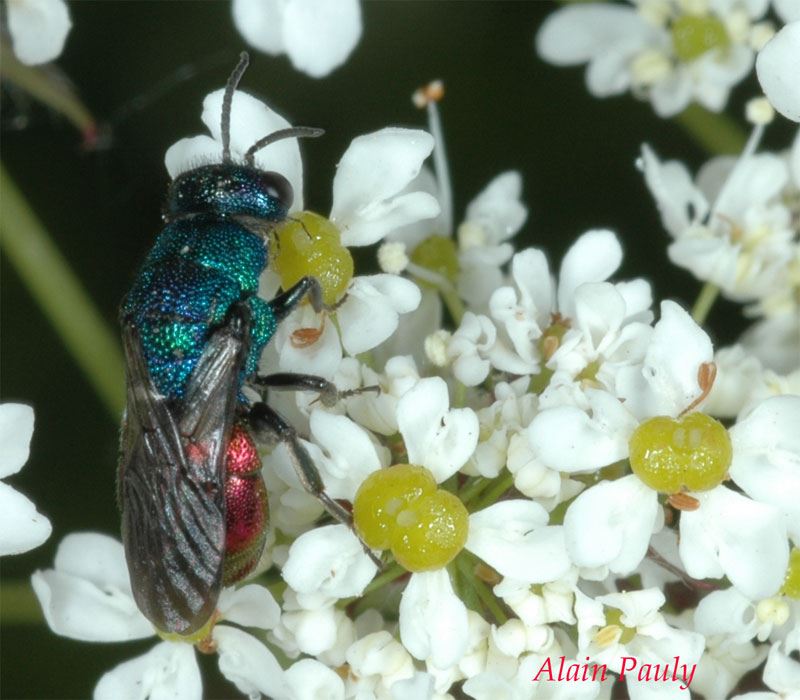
(293, 132)
(227, 100)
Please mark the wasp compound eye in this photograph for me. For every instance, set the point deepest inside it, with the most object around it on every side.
(278, 187)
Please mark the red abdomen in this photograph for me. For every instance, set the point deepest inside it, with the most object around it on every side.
(247, 507)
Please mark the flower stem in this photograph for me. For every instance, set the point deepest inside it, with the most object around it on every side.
(51, 90)
(477, 485)
(705, 300)
(717, 133)
(20, 606)
(498, 488)
(461, 577)
(59, 293)
(466, 565)
(453, 303)
(393, 572)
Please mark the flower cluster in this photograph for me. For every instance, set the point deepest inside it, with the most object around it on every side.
(550, 454)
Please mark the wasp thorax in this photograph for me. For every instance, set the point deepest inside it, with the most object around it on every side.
(228, 189)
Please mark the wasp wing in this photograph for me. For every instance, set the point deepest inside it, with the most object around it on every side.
(172, 480)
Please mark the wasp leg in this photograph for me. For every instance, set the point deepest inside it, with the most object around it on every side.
(268, 425)
(328, 393)
(283, 304)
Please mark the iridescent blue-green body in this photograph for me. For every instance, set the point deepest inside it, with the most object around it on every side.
(205, 260)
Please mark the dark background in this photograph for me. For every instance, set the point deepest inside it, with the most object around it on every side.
(503, 109)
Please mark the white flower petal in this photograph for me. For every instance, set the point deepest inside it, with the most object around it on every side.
(379, 654)
(379, 219)
(97, 558)
(782, 673)
(433, 620)
(252, 119)
(16, 430)
(777, 67)
(248, 664)
(726, 613)
(679, 202)
(308, 679)
(576, 34)
(513, 538)
(567, 439)
(373, 170)
(672, 375)
(766, 456)
(419, 687)
(437, 438)
(38, 29)
(369, 314)
(260, 22)
(351, 455)
(497, 207)
(328, 560)
(88, 595)
(531, 273)
(594, 257)
(21, 526)
(322, 357)
(249, 606)
(167, 672)
(732, 535)
(788, 10)
(610, 524)
(319, 35)
(78, 609)
(190, 153)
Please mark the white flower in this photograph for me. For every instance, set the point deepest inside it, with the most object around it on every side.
(667, 52)
(777, 66)
(744, 243)
(369, 201)
(738, 374)
(766, 456)
(610, 524)
(781, 674)
(653, 639)
(88, 597)
(514, 538)
(468, 349)
(317, 35)
(436, 436)
(38, 29)
(21, 526)
(535, 304)
(378, 411)
(433, 620)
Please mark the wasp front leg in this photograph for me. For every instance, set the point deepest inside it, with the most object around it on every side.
(269, 426)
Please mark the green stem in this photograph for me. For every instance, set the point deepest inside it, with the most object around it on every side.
(716, 133)
(59, 293)
(453, 303)
(705, 300)
(393, 572)
(469, 492)
(498, 488)
(460, 395)
(461, 578)
(49, 90)
(20, 606)
(466, 566)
